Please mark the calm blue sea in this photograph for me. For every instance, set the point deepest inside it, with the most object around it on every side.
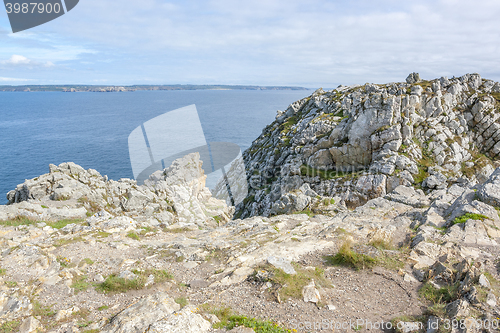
(92, 129)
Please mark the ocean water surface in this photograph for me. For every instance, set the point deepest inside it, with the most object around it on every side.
(92, 129)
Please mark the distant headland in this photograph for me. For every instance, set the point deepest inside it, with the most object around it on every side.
(98, 88)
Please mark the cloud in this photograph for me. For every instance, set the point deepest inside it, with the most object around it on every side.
(19, 60)
(11, 79)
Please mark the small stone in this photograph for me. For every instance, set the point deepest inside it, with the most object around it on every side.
(190, 264)
(331, 307)
(310, 293)
(99, 278)
(127, 275)
(150, 280)
(483, 281)
(29, 325)
(409, 278)
(195, 284)
(491, 300)
(458, 308)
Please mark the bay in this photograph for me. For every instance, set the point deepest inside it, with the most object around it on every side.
(92, 129)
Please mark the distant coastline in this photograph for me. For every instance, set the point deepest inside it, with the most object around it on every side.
(100, 88)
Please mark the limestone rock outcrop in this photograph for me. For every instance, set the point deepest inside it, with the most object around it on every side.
(174, 195)
(361, 142)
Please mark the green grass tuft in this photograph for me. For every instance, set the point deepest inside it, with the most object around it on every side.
(10, 326)
(182, 301)
(468, 216)
(80, 284)
(348, 258)
(133, 235)
(62, 223)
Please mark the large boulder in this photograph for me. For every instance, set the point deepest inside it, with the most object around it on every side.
(138, 317)
(489, 192)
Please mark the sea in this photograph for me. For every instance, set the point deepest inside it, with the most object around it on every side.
(92, 129)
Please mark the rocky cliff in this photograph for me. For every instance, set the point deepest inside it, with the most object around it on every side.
(396, 227)
(357, 143)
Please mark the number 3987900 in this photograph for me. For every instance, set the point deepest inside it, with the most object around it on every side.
(33, 7)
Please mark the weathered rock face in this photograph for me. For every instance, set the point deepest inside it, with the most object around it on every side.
(176, 194)
(362, 142)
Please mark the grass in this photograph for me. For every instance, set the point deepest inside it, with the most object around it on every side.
(145, 230)
(115, 284)
(3, 271)
(42, 310)
(307, 211)
(11, 284)
(102, 308)
(292, 284)
(62, 242)
(133, 235)
(88, 261)
(495, 284)
(62, 223)
(439, 297)
(381, 244)
(182, 301)
(18, 220)
(10, 326)
(178, 230)
(348, 258)
(229, 320)
(103, 234)
(468, 216)
(80, 284)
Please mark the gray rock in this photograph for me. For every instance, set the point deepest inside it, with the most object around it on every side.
(184, 321)
(458, 308)
(491, 300)
(489, 192)
(196, 284)
(127, 275)
(310, 293)
(282, 263)
(413, 78)
(29, 325)
(483, 281)
(138, 317)
(408, 196)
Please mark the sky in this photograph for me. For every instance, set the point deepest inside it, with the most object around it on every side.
(308, 43)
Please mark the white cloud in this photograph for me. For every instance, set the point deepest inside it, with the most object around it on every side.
(11, 79)
(19, 60)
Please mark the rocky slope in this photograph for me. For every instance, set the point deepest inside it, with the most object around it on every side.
(405, 258)
(361, 142)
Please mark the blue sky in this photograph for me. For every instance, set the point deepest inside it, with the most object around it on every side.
(263, 42)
